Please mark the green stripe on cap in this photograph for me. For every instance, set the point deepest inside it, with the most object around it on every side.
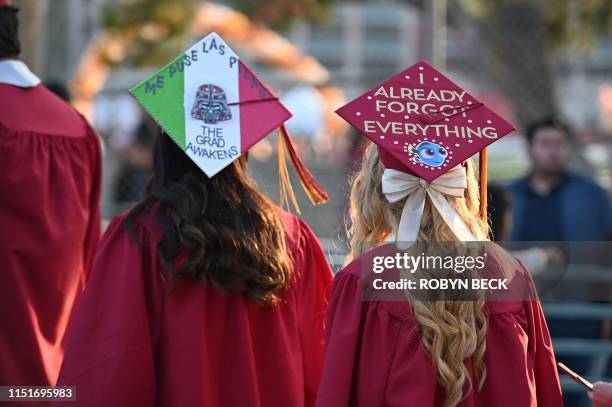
(162, 97)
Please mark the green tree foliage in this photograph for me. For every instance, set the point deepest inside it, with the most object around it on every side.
(280, 13)
(159, 28)
(576, 22)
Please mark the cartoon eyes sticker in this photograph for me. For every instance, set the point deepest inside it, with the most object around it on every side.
(428, 153)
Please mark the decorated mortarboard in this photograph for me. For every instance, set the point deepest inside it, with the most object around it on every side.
(425, 126)
(215, 109)
(423, 123)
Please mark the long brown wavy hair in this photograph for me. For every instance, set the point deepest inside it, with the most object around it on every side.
(230, 234)
(452, 331)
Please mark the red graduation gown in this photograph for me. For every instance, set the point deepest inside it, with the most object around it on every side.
(374, 354)
(135, 343)
(49, 226)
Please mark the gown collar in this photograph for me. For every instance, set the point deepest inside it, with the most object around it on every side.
(16, 73)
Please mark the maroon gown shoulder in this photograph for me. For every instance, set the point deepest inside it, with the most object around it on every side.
(38, 110)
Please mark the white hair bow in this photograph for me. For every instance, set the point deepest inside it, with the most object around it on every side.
(397, 185)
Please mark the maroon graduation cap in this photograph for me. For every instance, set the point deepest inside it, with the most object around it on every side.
(425, 124)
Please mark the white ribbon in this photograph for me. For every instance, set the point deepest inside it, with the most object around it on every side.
(397, 185)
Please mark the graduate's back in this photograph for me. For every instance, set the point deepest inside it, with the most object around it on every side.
(205, 294)
(405, 345)
(49, 217)
(376, 356)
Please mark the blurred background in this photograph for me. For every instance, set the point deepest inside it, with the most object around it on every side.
(527, 59)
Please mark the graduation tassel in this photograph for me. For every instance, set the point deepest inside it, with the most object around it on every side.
(315, 192)
(284, 182)
(482, 176)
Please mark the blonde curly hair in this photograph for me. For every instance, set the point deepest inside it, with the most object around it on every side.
(452, 331)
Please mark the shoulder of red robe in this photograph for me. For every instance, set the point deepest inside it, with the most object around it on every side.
(16, 73)
(423, 123)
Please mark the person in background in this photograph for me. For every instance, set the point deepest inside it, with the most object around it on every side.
(49, 215)
(554, 204)
(551, 204)
(535, 259)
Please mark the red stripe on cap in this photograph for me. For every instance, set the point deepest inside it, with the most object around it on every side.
(257, 120)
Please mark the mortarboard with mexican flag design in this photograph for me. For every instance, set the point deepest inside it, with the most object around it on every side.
(215, 109)
(425, 124)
